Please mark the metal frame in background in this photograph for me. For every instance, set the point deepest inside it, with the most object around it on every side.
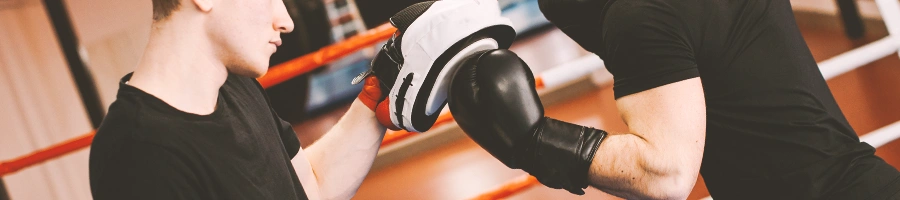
(4, 195)
(68, 42)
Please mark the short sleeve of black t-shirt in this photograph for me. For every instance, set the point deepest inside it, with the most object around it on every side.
(288, 136)
(645, 46)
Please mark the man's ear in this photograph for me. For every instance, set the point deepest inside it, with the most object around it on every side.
(204, 5)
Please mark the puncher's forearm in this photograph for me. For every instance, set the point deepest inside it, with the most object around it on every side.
(629, 166)
(341, 159)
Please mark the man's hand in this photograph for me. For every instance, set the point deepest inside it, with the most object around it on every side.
(374, 96)
(378, 81)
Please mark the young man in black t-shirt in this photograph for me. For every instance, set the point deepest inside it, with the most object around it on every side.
(730, 84)
(773, 130)
(192, 122)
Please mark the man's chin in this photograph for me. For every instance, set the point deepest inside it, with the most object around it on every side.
(257, 74)
(251, 73)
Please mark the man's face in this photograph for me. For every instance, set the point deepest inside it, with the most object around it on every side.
(245, 33)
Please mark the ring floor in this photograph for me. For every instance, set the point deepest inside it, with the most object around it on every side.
(461, 169)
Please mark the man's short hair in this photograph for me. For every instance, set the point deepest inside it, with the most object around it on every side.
(163, 8)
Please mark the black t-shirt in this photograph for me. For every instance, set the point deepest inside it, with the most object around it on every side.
(146, 149)
(774, 130)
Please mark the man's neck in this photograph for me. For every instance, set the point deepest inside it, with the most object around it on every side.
(181, 71)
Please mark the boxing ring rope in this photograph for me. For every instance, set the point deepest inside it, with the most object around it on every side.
(63, 148)
(510, 188)
(890, 13)
(325, 55)
(855, 58)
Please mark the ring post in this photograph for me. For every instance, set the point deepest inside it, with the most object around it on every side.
(853, 24)
(68, 42)
(3, 194)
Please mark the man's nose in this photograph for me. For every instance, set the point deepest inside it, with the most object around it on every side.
(283, 22)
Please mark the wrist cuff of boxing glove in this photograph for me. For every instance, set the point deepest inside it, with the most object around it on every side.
(372, 93)
(563, 153)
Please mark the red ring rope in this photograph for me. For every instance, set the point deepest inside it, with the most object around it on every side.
(509, 188)
(51, 152)
(325, 55)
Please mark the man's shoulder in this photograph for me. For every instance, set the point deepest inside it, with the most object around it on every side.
(120, 120)
(128, 132)
(116, 135)
(637, 12)
(130, 120)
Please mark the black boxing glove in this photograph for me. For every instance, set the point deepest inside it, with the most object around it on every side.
(493, 99)
(581, 20)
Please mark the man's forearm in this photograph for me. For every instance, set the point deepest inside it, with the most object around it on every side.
(659, 157)
(629, 166)
(341, 159)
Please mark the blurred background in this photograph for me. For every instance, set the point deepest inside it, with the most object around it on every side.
(60, 62)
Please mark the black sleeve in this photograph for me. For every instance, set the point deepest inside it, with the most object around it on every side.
(288, 136)
(144, 171)
(645, 45)
(286, 131)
